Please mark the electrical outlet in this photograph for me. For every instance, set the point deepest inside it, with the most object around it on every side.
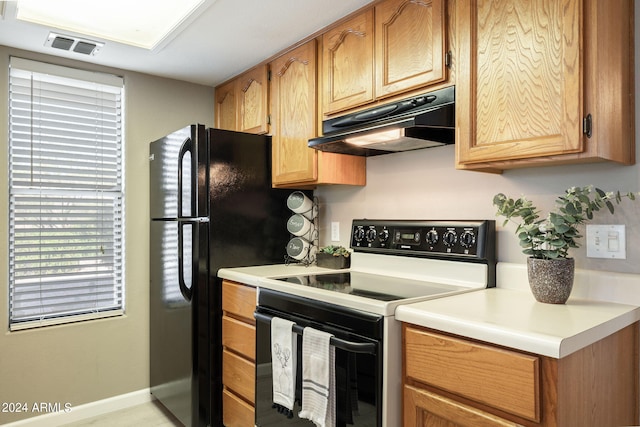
(606, 241)
(335, 231)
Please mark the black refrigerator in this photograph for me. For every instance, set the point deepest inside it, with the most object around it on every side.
(212, 206)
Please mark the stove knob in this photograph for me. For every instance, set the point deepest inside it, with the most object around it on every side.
(384, 235)
(432, 237)
(371, 235)
(467, 239)
(449, 238)
(358, 234)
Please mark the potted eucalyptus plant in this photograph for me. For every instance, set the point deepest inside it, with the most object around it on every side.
(335, 257)
(548, 239)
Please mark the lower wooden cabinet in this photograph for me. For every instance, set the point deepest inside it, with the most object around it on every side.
(238, 354)
(453, 381)
(507, 380)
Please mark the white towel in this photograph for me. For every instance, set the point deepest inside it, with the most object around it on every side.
(283, 363)
(318, 378)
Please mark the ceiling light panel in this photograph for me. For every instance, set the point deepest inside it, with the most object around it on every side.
(148, 24)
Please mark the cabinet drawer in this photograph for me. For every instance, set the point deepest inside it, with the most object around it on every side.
(239, 337)
(238, 374)
(504, 379)
(239, 300)
(235, 411)
(423, 408)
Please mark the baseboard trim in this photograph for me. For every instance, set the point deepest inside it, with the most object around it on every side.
(88, 410)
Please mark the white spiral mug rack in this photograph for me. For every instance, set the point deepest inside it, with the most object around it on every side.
(303, 227)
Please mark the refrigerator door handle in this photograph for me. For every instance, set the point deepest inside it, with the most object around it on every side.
(187, 291)
(187, 147)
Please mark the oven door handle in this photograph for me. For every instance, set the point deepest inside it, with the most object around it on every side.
(353, 347)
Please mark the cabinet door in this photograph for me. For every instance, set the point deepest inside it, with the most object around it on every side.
(523, 94)
(410, 44)
(293, 115)
(253, 89)
(425, 409)
(226, 106)
(348, 64)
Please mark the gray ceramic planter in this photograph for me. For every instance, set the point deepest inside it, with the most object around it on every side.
(551, 280)
(333, 262)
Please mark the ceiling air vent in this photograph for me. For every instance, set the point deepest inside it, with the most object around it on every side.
(73, 44)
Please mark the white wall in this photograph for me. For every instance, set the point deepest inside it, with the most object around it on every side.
(425, 185)
(89, 361)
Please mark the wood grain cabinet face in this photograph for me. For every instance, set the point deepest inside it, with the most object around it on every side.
(293, 115)
(226, 106)
(392, 48)
(348, 63)
(242, 103)
(236, 412)
(426, 409)
(238, 355)
(506, 380)
(410, 45)
(253, 100)
(525, 74)
(524, 90)
(452, 381)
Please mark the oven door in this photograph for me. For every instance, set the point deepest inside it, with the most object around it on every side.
(358, 361)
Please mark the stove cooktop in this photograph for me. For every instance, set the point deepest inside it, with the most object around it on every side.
(400, 262)
(377, 287)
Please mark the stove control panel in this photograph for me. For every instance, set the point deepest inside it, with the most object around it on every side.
(461, 239)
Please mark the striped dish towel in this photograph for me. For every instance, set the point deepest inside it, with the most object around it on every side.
(318, 378)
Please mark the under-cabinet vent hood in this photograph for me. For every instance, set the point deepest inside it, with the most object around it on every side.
(423, 121)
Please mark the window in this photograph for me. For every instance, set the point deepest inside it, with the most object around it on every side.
(65, 194)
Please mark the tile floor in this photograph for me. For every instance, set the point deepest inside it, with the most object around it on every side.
(150, 414)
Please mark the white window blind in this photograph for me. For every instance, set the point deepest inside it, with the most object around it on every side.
(66, 194)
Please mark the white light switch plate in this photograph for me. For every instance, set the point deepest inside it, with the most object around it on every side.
(606, 241)
(335, 231)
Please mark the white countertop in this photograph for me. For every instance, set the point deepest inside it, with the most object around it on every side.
(507, 315)
(514, 319)
(252, 275)
(413, 290)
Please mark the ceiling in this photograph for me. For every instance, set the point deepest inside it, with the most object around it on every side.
(229, 37)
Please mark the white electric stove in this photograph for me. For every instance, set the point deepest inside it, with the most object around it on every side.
(394, 262)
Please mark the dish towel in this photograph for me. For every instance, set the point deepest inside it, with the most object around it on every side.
(283, 365)
(318, 378)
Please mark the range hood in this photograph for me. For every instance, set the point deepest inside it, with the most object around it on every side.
(423, 121)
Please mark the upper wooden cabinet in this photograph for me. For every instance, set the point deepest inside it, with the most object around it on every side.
(253, 99)
(294, 121)
(532, 78)
(348, 63)
(293, 115)
(397, 46)
(226, 106)
(242, 104)
(410, 45)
